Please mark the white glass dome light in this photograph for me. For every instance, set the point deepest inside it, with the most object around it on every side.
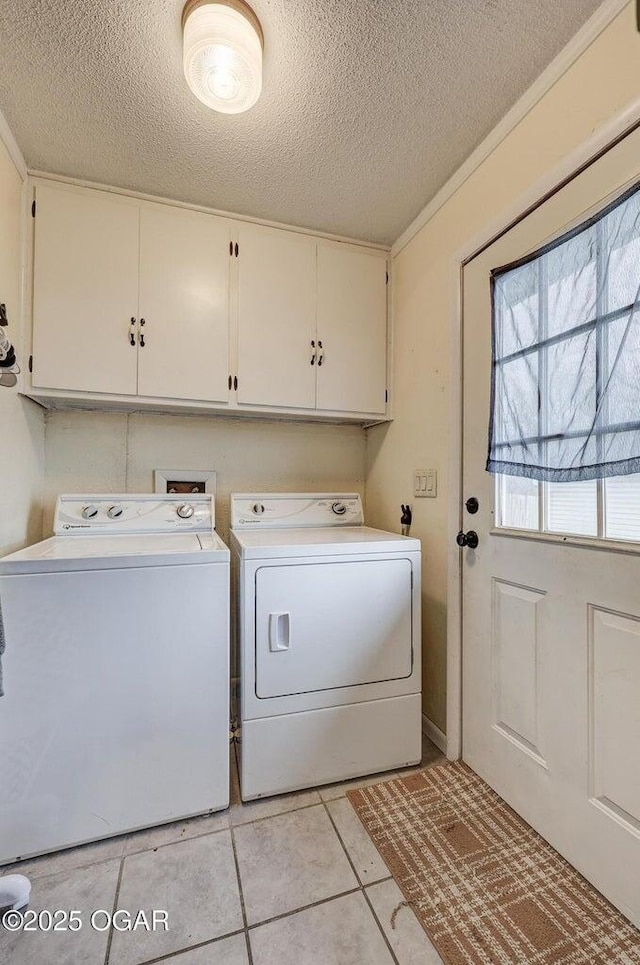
(222, 54)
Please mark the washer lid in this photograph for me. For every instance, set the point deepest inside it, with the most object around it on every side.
(107, 551)
(321, 541)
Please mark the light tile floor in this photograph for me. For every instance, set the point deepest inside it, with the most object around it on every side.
(292, 880)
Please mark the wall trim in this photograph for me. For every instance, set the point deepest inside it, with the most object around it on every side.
(11, 145)
(174, 203)
(435, 735)
(589, 32)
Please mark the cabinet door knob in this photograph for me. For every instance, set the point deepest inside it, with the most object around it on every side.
(320, 354)
(313, 354)
(132, 334)
(142, 323)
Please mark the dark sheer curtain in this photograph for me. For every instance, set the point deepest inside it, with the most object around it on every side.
(565, 381)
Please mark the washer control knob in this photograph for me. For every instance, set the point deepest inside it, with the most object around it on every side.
(339, 508)
(114, 512)
(185, 511)
(90, 511)
(258, 509)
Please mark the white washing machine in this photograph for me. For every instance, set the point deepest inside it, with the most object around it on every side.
(116, 672)
(329, 641)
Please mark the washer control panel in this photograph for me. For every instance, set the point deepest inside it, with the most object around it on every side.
(134, 513)
(294, 510)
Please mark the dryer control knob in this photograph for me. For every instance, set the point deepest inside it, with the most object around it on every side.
(258, 509)
(185, 511)
(114, 512)
(90, 511)
(339, 509)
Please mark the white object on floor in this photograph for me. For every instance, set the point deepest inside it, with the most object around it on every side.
(116, 713)
(14, 892)
(329, 640)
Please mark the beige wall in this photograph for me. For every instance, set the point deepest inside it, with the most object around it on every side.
(21, 421)
(604, 80)
(113, 452)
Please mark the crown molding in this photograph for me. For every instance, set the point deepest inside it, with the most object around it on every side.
(589, 32)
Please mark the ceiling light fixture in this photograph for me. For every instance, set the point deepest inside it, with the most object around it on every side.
(222, 54)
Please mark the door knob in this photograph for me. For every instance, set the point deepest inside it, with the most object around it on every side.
(469, 539)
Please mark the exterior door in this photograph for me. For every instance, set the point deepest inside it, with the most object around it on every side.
(352, 327)
(551, 607)
(184, 304)
(85, 291)
(276, 317)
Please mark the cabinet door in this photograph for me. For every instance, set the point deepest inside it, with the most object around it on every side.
(276, 317)
(352, 326)
(85, 291)
(184, 301)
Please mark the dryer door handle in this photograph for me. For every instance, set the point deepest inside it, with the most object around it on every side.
(279, 631)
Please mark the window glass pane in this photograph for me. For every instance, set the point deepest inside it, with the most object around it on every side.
(571, 386)
(517, 403)
(517, 309)
(622, 231)
(572, 508)
(622, 400)
(517, 501)
(571, 278)
(622, 507)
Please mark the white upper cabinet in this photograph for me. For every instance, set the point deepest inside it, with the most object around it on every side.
(184, 304)
(85, 291)
(351, 329)
(276, 317)
(144, 303)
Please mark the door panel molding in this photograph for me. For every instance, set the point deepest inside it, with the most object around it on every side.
(514, 630)
(614, 713)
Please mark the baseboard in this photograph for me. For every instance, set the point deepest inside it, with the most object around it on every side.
(434, 734)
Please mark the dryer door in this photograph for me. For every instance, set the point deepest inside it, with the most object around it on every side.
(322, 626)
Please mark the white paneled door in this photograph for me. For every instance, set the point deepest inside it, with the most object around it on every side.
(184, 304)
(85, 291)
(551, 625)
(276, 317)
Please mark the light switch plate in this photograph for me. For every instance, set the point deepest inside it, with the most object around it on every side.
(425, 483)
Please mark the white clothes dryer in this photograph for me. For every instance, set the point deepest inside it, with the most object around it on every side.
(116, 672)
(328, 628)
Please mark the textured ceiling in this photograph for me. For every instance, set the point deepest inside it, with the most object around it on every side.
(368, 106)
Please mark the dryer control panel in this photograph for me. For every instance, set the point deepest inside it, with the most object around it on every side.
(295, 510)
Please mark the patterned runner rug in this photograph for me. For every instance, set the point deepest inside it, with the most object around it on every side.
(486, 887)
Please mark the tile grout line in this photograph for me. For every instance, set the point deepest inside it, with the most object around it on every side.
(192, 948)
(241, 895)
(312, 904)
(362, 886)
(114, 909)
(238, 876)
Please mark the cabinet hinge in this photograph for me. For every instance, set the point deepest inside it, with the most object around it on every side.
(33, 209)
(31, 363)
